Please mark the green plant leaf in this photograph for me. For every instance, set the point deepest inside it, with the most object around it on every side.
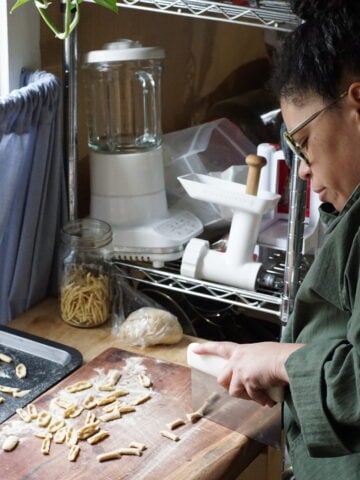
(18, 3)
(110, 4)
(70, 21)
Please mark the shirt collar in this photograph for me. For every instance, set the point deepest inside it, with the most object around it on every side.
(330, 216)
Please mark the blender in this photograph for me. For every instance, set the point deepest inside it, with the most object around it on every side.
(127, 186)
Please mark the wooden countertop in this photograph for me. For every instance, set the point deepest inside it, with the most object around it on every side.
(228, 459)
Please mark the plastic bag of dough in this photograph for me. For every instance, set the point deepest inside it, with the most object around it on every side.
(150, 326)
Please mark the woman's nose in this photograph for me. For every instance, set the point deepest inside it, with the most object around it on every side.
(304, 170)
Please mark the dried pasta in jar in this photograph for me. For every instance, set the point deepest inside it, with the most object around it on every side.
(85, 282)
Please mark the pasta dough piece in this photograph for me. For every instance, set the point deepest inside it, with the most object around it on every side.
(32, 411)
(130, 451)
(90, 418)
(144, 380)
(21, 370)
(73, 411)
(89, 402)
(170, 435)
(55, 425)
(175, 424)
(43, 435)
(20, 394)
(73, 453)
(5, 358)
(71, 437)
(98, 437)
(10, 443)
(45, 446)
(43, 419)
(62, 403)
(78, 386)
(139, 446)
(6, 389)
(150, 326)
(104, 457)
(23, 414)
(114, 376)
(108, 417)
(144, 398)
(60, 435)
(88, 430)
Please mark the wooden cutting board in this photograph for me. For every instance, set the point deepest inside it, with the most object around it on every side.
(204, 450)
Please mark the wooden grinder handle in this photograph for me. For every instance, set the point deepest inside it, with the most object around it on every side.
(255, 163)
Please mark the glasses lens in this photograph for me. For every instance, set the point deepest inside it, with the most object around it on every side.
(294, 147)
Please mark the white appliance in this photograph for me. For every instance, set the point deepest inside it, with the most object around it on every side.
(236, 265)
(123, 89)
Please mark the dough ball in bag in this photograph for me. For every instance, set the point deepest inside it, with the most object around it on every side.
(150, 326)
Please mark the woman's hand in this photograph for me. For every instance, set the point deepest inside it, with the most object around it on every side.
(251, 369)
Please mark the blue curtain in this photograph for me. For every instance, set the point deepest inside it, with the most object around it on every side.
(33, 203)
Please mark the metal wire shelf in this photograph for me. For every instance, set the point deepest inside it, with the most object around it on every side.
(273, 15)
(169, 279)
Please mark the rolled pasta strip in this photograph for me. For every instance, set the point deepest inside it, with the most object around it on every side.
(98, 437)
(175, 424)
(104, 457)
(73, 453)
(130, 451)
(78, 386)
(138, 445)
(87, 431)
(5, 358)
(21, 393)
(169, 435)
(142, 399)
(144, 380)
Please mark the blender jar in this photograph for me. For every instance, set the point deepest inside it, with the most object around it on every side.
(123, 85)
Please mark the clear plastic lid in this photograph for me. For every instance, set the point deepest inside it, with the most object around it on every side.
(123, 50)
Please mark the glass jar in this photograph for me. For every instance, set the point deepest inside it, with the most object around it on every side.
(85, 281)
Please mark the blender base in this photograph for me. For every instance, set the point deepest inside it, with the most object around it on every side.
(158, 242)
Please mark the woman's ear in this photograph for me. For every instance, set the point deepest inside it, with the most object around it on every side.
(354, 93)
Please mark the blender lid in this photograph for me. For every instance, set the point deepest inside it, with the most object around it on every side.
(123, 50)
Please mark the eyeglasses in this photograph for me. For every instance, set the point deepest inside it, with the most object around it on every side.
(288, 135)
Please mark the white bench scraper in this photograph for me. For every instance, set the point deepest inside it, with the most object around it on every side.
(262, 424)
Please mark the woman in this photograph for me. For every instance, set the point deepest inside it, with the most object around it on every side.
(318, 361)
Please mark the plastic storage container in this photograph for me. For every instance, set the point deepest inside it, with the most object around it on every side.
(85, 273)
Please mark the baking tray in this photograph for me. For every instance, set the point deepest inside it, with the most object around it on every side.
(47, 362)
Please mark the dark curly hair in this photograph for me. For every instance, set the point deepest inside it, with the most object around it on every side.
(312, 9)
(320, 54)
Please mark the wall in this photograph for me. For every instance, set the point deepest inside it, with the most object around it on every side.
(19, 43)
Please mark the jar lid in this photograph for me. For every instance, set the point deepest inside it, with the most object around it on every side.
(86, 233)
(123, 50)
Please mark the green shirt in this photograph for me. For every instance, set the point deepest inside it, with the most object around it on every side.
(322, 408)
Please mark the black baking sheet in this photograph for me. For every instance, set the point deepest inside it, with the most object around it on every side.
(47, 363)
